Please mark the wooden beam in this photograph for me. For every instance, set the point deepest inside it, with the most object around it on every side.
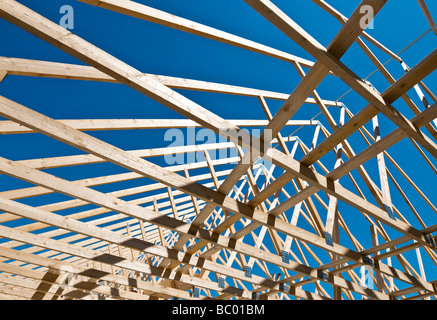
(50, 32)
(143, 12)
(384, 143)
(39, 278)
(13, 207)
(10, 127)
(331, 62)
(396, 90)
(36, 68)
(428, 15)
(315, 76)
(3, 74)
(132, 265)
(342, 19)
(304, 175)
(148, 287)
(90, 144)
(344, 38)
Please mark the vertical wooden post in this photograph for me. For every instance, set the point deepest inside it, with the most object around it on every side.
(172, 203)
(332, 216)
(375, 242)
(161, 232)
(419, 92)
(386, 198)
(3, 75)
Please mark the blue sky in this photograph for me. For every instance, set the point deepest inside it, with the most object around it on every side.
(160, 50)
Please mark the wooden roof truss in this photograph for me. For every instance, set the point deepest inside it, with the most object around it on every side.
(241, 230)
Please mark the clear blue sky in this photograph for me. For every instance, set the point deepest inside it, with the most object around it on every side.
(160, 50)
